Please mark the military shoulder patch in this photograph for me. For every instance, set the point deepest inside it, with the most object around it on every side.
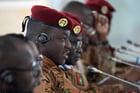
(80, 80)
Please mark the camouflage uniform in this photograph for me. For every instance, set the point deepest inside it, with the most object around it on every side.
(56, 80)
(106, 65)
(80, 82)
(97, 56)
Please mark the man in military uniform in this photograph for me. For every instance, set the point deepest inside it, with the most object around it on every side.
(51, 35)
(78, 79)
(105, 8)
(52, 39)
(20, 71)
(92, 43)
(105, 50)
(98, 48)
(86, 16)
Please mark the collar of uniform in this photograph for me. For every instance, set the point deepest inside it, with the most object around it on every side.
(65, 67)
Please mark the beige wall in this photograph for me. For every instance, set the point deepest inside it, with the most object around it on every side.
(10, 20)
(12, 14)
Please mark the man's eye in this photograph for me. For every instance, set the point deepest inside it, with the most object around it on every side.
(77, 44)
(64, 38)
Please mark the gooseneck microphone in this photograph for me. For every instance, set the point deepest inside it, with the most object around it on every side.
(127, 56)
(117, 60)
(129, 49)
(92, 69)
(133, 43)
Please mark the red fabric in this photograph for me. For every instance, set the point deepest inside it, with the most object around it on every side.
(97, 5)
(75, 20)
(49, 15)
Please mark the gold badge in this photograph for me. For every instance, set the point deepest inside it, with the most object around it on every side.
(77, 29)
(63, 22)
(104, 9)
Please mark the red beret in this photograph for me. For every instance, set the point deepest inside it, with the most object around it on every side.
(77, 26)
(101, 6)
(51, 16)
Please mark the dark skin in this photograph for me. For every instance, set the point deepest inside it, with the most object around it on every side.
(80, 10)
(20, 58)
(58, 44)
(76, 49)
(91, 21)
(86, 16)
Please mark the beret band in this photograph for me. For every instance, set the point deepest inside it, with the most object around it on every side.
(101, 6)
(50, 16)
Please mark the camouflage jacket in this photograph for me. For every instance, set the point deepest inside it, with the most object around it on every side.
(56, 81)
(97, 56)
(80, 81)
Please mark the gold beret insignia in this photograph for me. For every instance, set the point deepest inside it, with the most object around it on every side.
(77, 29)
(63, 22)
(104, 9)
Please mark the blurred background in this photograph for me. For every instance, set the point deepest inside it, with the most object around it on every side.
(125, 22)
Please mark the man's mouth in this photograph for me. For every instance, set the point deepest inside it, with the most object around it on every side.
(66, 54)
(78, 56)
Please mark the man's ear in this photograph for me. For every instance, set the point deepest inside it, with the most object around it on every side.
(43, 38)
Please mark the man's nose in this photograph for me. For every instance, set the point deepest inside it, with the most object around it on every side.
(79, 50)
(68, 44)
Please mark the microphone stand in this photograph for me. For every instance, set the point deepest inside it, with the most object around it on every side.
(90, 68)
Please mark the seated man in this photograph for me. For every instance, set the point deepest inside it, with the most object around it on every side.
(75, 52)
(78, 79)
(20, 71)
(104, 8)
(50, 30)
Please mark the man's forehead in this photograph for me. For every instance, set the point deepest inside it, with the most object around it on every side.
(15, 62)
(62, 32)
(21, 58)
(67, 32)
(86, 17)
(15, 53)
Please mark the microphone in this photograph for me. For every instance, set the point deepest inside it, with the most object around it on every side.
(133, 43)
(127, 57)
(129, 49)
(103, 80)
(133, 46)
(127, 52)
(92, 69)
(122, 62)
